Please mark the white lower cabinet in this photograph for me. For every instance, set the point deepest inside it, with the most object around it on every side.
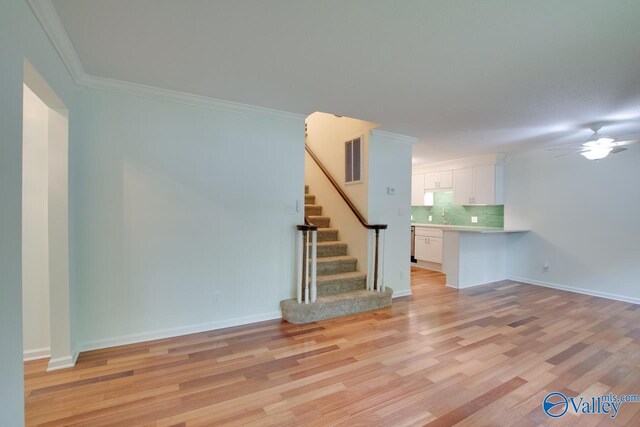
(428, 245)
(421, 249)
(434, 249)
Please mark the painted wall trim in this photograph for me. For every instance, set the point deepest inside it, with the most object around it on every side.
(120, 86)
(36, 354)
(573, 289)
(176, 332)
(63, 362)
(394, 137)
(46, 14)
(400, 294)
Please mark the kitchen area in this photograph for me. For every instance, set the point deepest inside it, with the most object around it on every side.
(457, 220)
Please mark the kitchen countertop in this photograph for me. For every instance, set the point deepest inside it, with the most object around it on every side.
(469, 229)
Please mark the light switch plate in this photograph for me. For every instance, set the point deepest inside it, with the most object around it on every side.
(474, 219)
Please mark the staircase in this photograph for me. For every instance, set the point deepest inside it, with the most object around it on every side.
(341, 287)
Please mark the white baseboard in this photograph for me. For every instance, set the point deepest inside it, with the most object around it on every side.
(399, 294)
(63, 362)
(476, 285)
(176, 332)
(583, 291)
(35, 354)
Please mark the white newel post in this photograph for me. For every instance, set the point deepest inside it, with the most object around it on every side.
(306, 275)
(314, 265)
(384, 245)
(300, 266)
(370, 262)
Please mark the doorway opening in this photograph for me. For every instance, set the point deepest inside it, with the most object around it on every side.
(45, 232)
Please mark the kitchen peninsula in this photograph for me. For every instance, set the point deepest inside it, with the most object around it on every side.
(472, 256)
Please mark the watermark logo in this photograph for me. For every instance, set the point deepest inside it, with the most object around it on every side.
(557, 404)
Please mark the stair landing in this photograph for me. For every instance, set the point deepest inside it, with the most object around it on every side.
(335, 305)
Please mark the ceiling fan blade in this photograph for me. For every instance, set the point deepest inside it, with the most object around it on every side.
(569, 147)
(627, 142)
(618, 150)
(570, 152)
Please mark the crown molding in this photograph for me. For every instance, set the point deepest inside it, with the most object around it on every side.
(46, 14)
(153, 92)
(394, 137)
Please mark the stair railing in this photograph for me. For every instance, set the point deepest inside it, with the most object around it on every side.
(307, 287)
(373, 229)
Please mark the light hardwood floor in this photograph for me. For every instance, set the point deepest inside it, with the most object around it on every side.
(483, 356)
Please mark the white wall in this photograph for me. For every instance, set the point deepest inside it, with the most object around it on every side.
(20, 36)
(390, 166)
(174, 204)
(35, 227)
(583, 217)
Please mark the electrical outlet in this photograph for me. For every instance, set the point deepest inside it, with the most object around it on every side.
(546, 266)
(391, 191)
(430, 218)
(474, 219)
(216, 297)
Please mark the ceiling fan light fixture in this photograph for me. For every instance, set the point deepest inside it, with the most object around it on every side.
(597, 153)
(600, 142)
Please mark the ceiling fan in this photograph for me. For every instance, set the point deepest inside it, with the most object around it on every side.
(597, 146)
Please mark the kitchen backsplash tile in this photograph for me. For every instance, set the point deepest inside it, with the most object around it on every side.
(488, 216)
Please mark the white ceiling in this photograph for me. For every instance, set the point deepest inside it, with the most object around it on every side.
(465, 77)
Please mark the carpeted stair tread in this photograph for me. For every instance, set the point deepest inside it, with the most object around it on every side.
(336, 264)
(319, 220)
(334, 248)
(340, 276)
(312, 209)
(327, 234)
(331, 248)
(306, 189)
(341, 282)
(309, 199)
(336, 305)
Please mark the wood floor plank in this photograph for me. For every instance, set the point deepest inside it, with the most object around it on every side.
(484, 356)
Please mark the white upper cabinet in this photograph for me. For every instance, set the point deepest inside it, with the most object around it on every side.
(478, 185)
(484, 185)
(417, 190)
(438, 180)
(462, 186)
